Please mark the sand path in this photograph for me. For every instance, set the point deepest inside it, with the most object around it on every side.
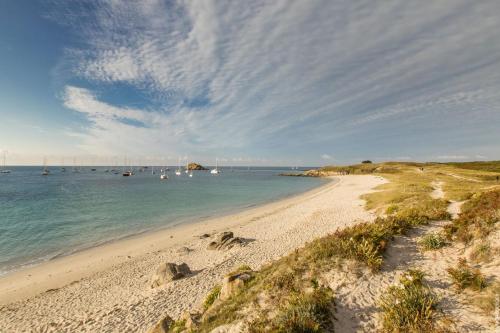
(118, 298)
(358, 291)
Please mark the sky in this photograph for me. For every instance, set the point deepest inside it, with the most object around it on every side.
(249, 82)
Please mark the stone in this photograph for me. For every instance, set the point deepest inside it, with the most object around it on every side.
(162, 325)
(168, 272)
(192, 320)
(224, 241)
(234, 283)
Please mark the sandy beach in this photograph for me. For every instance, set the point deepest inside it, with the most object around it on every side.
(107, 288)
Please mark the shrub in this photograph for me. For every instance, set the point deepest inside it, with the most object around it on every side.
(391, 209)
(463, 276)
(410, 306)
(432, 241)
(481, 252)
(366, 162)
(478, 217)
(212, 296)
(306, 312)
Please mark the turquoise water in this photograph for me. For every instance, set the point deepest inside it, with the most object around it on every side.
(43, 217)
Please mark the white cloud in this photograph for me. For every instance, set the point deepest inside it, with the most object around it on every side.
(326, 157)
(453, 157)
(232, 75)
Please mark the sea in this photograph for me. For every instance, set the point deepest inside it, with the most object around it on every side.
(45, 217)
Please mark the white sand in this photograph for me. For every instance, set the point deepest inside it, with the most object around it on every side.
(106, 289)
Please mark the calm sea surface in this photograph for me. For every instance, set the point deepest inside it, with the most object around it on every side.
(42, 217)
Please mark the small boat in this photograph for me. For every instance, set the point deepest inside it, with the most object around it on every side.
(178, 171)
(187, 166)
(45, 171)
(93, 169)
(3, 170)
(163, 176)
(127, 174)
(63, 169)
(216, 170)
(191, 174)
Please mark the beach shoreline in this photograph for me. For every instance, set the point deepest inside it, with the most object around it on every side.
(115, 278)
(93, 256)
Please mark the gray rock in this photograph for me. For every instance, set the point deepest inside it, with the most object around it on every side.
(224, 241)
(234, 283)
(168, 272)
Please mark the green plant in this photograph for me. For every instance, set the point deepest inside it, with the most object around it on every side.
(410, 306)
(212, 296)
(478, 218)
(305, 312)
(432, 241)
(463, 276)
(391, 209)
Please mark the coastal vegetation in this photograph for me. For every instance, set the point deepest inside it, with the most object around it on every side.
(409, 306)
(291, 295)
(287, 295)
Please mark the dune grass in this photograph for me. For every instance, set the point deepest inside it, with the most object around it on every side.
(432, 241)
(409, 306)
(463, 276)
(478, 218)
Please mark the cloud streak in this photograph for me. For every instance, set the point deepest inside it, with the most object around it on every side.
(266, 78)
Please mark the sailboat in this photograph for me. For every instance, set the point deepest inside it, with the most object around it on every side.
(178, 171)
(45, 171)
(187, 166)
(163, 175)
(216, 170)
(127, 173)
(3, 170)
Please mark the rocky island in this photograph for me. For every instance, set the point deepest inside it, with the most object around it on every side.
(195, 166)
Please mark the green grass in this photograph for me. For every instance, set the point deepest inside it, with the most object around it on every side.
(491, 166)
(432, 241)
(409, 306)
(303, 313)
(211, 297)
(463, 276)
(478, 218)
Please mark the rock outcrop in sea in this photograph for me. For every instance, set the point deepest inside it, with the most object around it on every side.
(195, 166)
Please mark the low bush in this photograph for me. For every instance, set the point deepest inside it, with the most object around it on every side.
(478, 218)
(463, 276)
(309, 312)
(409, 306)
(432, 241)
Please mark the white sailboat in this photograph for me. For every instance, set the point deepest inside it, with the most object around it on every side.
(4, 170)
(216, 170)
(187, 166)
(178, 171)
(45, 171)
(129, 172)
(163, 175)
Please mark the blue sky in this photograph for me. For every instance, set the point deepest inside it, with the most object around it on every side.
(260, 82)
